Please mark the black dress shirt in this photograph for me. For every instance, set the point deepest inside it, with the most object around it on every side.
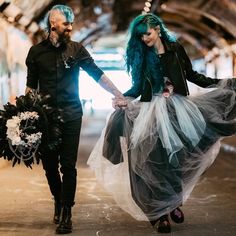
(55, 71)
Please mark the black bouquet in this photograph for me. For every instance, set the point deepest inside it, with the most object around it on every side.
(28, 129)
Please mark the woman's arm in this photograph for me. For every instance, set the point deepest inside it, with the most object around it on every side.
(193, 76)
(135, 90)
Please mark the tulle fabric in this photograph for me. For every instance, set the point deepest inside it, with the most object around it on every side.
(151, 155)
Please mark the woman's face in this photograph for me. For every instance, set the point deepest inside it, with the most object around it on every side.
(151, 36)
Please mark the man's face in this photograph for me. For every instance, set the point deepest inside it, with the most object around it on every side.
(62, 27)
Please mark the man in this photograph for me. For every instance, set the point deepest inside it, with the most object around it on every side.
(53, 68)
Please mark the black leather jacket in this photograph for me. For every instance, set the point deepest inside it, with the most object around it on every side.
(182, 72)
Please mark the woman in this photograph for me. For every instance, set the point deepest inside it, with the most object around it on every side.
(153, 151)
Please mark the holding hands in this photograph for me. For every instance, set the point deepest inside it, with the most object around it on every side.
(119, 102)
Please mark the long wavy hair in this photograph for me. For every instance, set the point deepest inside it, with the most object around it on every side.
(141, 60)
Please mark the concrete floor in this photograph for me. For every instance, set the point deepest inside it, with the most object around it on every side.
(26, 206)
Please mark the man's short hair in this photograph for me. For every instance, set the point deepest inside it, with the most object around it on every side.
(65, 10)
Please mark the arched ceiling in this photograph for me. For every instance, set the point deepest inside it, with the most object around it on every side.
(199, 24)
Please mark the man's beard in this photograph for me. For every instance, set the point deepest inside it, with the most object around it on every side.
(64, 37)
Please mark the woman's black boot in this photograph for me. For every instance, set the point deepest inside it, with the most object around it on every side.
(164, 224)
(65, 225)
(177, 216)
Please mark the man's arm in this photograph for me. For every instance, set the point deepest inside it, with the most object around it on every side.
(87, 63)
(107, 84)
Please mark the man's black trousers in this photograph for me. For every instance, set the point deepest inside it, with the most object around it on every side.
(63, 183)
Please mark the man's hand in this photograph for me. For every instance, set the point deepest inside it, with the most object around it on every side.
(28, 90)
(119, 103)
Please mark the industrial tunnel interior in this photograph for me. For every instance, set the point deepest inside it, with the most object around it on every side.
(206, 29)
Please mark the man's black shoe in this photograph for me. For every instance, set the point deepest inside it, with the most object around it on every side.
(65, 225)
(57, 212)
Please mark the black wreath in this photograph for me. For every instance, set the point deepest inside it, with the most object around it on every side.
(48, 123)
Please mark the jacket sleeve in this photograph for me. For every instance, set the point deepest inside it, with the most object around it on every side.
(135, 90)
(87, 63)
(32, 71)
(193, 76)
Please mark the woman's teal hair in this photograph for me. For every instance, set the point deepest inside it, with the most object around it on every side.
(141, 59)
(65, 10)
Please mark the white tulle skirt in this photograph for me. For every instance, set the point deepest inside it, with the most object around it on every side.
(151, 154)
